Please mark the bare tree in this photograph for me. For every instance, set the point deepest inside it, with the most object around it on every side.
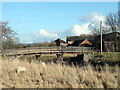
(119, 19)
(111, 29)
(112, 24)
(112, 21)
(9, 36)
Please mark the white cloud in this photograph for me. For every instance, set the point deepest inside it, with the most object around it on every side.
(43, 35)
(90, 21)
(29, 42)
(80, 29)
(93, 20)
(75, 30)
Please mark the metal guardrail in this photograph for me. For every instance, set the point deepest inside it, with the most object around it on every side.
(52, 49)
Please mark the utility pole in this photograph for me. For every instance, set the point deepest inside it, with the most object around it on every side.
(101, 34)
(119, 13)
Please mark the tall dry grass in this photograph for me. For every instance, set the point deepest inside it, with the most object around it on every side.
(56, 76)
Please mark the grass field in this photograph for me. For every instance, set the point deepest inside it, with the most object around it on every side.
(107, 58)
(110, 56)
(46, 57)
(56, 76)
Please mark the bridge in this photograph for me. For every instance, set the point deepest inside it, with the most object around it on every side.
(49, 50)
(59, 51)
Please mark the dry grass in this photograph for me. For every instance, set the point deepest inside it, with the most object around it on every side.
(56, 76)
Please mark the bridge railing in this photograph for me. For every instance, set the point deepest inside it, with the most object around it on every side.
(78, 49)
(49, 49)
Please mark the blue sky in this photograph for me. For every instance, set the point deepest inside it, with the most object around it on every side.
(46, 21)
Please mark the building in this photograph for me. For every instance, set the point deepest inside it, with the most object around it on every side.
(111, 42)
(84, 40)
(82, 43)
(60, 42)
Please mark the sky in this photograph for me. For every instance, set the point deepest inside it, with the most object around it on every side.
(47, 21)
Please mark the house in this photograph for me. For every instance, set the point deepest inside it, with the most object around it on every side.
(84, 41)
(60, 42)
(71, 39)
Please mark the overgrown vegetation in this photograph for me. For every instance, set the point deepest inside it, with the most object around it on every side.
(56, 76)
